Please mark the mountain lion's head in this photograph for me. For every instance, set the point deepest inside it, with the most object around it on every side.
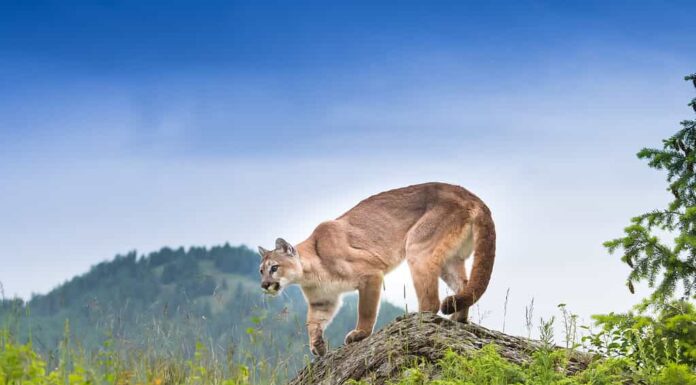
(279, 267)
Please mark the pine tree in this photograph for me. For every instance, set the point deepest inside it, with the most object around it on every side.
(665, 265)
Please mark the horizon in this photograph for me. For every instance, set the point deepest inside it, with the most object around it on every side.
(130, 125)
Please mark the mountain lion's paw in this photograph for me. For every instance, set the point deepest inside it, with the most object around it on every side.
(318, 346)
(460, 316)
(356, 335)
(449, 305)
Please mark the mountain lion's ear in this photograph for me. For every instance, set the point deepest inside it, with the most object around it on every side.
(263, 251)
(282, 244)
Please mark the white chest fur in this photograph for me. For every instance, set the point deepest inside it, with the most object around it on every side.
(328, 290)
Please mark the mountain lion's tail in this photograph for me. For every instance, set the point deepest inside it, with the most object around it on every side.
(484, 256)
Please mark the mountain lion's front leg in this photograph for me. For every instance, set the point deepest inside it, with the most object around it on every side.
(319, 314)
(368, 306)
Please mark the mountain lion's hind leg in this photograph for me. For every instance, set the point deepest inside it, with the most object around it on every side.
(368, 306)
(426, 245)
(454, 275)
(425, 283)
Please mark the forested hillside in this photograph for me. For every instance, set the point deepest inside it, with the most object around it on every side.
(171, 299)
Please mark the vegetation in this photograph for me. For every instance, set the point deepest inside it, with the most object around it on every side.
(648, 343)
(21, 364)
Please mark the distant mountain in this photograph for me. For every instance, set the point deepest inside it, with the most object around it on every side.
(171, 299)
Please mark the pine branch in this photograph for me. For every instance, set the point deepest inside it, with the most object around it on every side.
(661, 266)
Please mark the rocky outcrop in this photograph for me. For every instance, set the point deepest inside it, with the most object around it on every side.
(416, 336)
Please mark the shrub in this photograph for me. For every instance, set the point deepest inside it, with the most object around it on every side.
(649, 342)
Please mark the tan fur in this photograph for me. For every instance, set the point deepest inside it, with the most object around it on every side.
(433, 226)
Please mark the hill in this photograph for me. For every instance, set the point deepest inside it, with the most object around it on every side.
(169, 300)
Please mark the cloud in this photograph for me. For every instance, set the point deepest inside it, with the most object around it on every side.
(105, 165)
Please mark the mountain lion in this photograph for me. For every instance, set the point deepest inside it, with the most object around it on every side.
(433, 226)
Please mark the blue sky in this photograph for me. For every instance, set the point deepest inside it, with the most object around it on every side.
(133, 125)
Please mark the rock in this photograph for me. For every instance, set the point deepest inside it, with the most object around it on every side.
(422, 336)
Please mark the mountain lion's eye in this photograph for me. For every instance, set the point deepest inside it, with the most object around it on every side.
(261, 271)
(274, 268)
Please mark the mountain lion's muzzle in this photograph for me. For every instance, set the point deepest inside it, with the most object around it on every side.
(270, 287)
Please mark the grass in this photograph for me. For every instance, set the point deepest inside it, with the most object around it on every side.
(19, 364)
(117, 364)
(487, 367)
